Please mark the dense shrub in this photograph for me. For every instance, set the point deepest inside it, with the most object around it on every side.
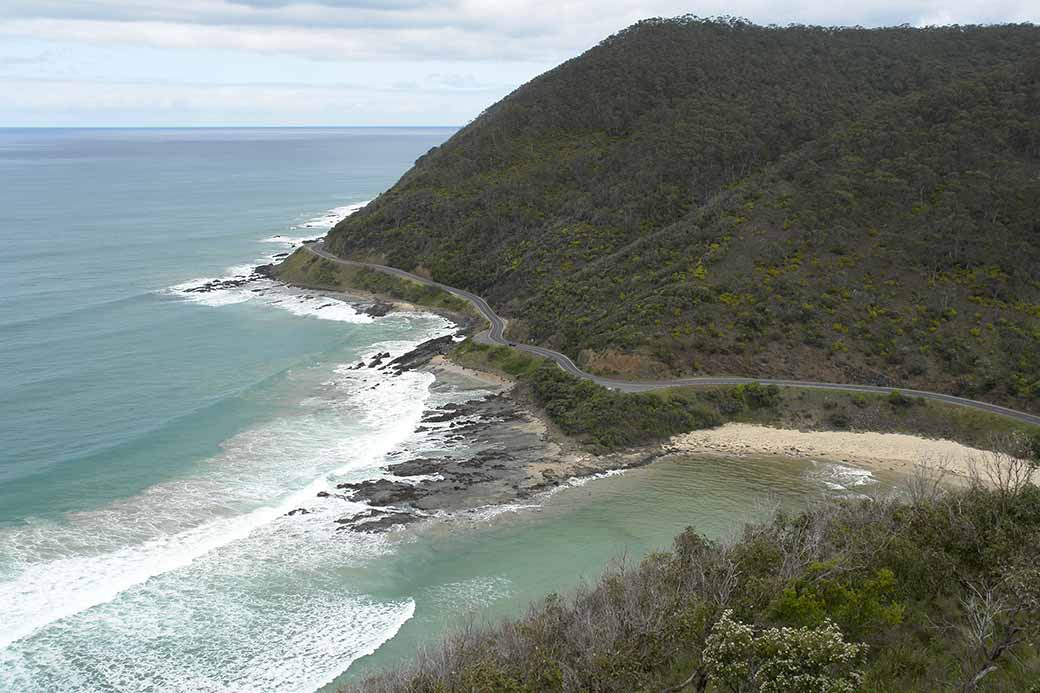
(933, 589)
(609, 419)
(898, 399)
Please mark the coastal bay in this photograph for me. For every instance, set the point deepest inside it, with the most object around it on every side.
(704, 356)
(175, 416)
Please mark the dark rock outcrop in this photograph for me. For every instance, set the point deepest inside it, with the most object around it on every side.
(421, 355)
(261, 272)
(374, 521)
(377, 309)
(418, 467)
(384, 492)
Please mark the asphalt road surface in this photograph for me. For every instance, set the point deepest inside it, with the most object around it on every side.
(497, 325)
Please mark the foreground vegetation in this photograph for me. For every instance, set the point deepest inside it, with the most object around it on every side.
(931, 590)
(607, 420)
(715, 197)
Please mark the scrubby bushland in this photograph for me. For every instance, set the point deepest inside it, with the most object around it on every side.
(608, 420)
(929, 590)
(693, 196)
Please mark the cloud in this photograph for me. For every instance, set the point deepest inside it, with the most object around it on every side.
(38, 59)
(340, 4)
(448, 30)
(345, 61)
(71, 102)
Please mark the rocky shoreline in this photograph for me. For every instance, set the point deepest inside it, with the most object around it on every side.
(497, 450)
(364, 303)
(504, 453)
(500, 449)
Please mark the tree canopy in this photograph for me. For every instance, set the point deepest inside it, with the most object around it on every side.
(714, 197)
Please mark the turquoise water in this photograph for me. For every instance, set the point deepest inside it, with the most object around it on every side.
(153, 438)
(99, 368)
(492, 563)
(145, 429)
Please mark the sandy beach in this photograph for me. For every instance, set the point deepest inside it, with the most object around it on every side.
(443, 367)
(894, 452)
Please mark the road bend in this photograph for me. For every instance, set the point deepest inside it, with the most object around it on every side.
(495, 334)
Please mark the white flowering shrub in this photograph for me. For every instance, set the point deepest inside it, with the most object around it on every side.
(729, 652)
(781, 660)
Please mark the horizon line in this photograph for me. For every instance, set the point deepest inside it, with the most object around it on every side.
(212, 127)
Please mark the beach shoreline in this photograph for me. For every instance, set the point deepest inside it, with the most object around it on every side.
(503, 451)
(535, 456)
(898, 453)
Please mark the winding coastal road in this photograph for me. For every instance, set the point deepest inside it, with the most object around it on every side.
(495, 335)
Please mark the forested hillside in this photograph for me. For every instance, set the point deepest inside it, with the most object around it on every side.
(715, 197)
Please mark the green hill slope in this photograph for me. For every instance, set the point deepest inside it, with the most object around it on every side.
(710, 197)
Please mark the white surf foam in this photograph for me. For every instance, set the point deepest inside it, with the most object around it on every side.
(239, 284)
(193, 289)
(214, 299)
(121, 585)
(57, 571)
(285, 635)
(270, 293)
(310, 305)
(322, 222)
(331, 217)
(468, 595)
(840, 477)
(486, 513)
(288, 241)
(577, 481)
(47, 592)
(128, 613)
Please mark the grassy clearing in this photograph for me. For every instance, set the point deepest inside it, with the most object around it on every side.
(306, 269)
(501, 360)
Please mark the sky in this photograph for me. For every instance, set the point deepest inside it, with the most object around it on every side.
(163, 63)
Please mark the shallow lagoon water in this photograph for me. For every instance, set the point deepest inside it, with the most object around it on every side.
(493, 562)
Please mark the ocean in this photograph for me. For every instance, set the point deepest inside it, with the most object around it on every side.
(154, 438)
